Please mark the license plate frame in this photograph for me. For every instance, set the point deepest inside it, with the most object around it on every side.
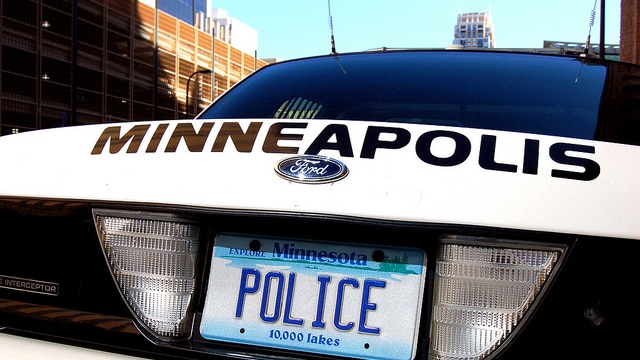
(339, 301)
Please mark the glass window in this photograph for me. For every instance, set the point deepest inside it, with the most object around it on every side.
(518, 92)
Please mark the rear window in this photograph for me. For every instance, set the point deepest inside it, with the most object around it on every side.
(541, 94)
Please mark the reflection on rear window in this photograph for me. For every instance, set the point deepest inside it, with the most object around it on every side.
(298, 108)
(522, 92)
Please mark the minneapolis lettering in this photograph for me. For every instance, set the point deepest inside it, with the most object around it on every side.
(337, 137)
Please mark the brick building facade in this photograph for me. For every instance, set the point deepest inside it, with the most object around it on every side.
(630, 31)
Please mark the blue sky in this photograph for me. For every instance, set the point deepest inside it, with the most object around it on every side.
(296, 28)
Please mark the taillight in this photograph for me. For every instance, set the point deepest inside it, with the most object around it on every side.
(153, 259)
(483, 289)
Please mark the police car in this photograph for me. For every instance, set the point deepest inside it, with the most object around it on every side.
(409, 204)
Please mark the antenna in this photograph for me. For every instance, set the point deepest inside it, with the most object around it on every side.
(333, 43)
(591, 20)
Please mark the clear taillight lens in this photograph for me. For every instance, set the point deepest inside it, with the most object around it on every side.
(482, 291)
(153, 259)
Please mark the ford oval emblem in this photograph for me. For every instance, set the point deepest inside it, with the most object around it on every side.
(312, 169)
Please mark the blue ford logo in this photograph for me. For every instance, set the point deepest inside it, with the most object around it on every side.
(311, 169)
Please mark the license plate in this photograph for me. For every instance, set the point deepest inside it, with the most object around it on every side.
(325, 298)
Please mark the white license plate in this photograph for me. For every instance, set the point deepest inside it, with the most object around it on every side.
(326, 298)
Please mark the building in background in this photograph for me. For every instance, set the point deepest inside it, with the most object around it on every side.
(72, 62)
(185, 10)
(630, 31)
(611, 51)
(202, 15)
(474, 30)
(233, 31)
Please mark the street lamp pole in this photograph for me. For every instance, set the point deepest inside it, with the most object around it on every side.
(204, 71)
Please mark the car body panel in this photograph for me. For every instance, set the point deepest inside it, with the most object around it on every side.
(513, 174)
(411, 189)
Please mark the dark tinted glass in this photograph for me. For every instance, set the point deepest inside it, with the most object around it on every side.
(504, 91)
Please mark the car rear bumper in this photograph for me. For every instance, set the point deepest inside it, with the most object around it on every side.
(13, 347)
